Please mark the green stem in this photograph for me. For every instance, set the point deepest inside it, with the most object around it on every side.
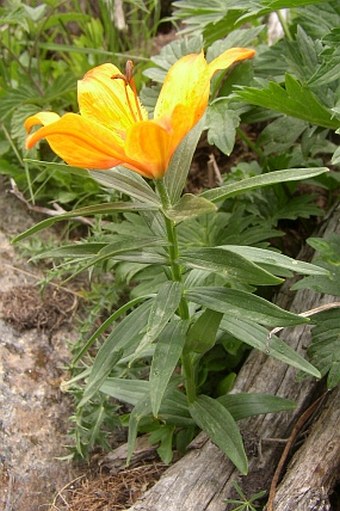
(243, 136)
(176, 272)
(284, 25)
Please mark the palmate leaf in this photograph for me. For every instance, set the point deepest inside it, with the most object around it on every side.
(295, 99)
(218, 17)
(324, 351)
(219, 115)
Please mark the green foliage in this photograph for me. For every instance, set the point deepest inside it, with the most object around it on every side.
(324, 350)
(244, 503)
(193, 271)
(45, 49)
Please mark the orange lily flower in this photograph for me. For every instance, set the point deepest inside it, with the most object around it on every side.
(113, 127)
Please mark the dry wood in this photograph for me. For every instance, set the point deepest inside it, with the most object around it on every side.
(314, 469)
(203, 479)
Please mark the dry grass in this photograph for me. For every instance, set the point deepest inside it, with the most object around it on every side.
(108, 492)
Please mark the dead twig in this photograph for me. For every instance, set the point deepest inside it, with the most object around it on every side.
(57, 211)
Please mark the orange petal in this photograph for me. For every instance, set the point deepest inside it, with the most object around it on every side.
(150, 145)
(43, 118)
(187, 83)
(109, 101)
(228, 58)
(80, 142)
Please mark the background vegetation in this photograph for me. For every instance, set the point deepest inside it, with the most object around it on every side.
(278, 112)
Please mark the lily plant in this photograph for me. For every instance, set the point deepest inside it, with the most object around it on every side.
(114, 139)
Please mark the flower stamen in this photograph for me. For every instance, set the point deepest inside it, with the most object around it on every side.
(128, 80)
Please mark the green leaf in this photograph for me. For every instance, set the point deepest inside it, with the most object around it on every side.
(241, 304)
(215, 420)
(141, 409)
(128, 391)
(101, 329)
(162, 311)
(127, 181)
(336, 157)
(164, 307)
(124, 336)
(324, 351)
(275, 260)
(278, 176)
(222, 123)
(189, 206)
(245, 404)
(99, 209)
(177, 173)
(170, 53)
(229, 264)
(258, 337)
(202, 334)
(166, 356)
(174, 408)
(296, 100)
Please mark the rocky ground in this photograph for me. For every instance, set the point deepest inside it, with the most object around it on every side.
(33, 353)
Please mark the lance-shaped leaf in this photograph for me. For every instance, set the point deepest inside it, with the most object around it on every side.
(258, 337)
(99, 209)
(215, 420)
(128, 391)
(167, 353)
(127, 182)
(202, 334)
(162, 311)
(123, 337)
(245, 404)
(274, 261)
(141, 409)
(176, 175)
(241, 304)
(189, 206)
(278, 176)
(229, 264)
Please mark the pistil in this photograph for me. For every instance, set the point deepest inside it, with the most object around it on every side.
(129, 82)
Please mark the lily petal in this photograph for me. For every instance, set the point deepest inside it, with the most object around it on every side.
(109, 101)
(43, 118)
(228, 58)
(80, 143)
(187, 83)
(149, 144)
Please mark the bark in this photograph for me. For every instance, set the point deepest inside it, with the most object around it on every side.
(314, 469)
(204, 478)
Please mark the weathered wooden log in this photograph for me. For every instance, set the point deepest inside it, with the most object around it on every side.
(204, 478)
(315, 467)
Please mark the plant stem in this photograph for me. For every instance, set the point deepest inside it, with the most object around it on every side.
(183, 309)
(284, 25)
(243, 136)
